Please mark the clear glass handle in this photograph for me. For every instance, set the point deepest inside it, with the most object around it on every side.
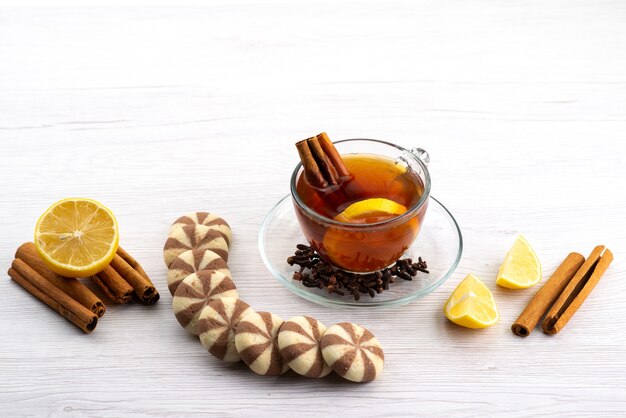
(422, 154)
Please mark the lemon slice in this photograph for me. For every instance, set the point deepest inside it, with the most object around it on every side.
(521, 267)
(371, 210)
(471, 305)
(77, 237)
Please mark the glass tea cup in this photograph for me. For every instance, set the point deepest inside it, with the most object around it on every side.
(365, 247)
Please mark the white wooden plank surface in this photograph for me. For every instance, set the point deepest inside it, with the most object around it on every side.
(160, 110)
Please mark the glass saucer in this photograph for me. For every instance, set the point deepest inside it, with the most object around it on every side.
(439, 243)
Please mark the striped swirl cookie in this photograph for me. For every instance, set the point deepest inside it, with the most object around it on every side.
(192, 261)
(193, 237)
(255, 340)
(352, 352)
(207, 219)
(217, 324)
(299, 343)
(195, 292)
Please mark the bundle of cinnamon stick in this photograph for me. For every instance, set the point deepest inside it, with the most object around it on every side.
(564, 293)
(69, 297)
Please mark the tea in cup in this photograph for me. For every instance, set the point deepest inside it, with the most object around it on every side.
(369, 220)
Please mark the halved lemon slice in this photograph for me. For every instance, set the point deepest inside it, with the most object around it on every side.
(371, 210)
(521, 267)
(472, 305)
(77, 237)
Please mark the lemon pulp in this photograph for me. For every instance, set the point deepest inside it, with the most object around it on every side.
(371, 210)
(521, 267)
(77, 237)
(472, 305)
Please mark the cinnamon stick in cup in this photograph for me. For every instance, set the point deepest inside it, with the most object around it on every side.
(546, 296)
(577, 290)
(323, 166)
(72, 287)
(327, 168)
(312, 171)
(55, 298)
(333, 155)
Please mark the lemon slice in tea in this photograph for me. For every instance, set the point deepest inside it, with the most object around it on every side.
(371, 210)
(77, 237)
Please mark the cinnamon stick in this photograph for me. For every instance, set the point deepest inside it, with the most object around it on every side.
(577, 290)
(333, 155)
(546, 296)
(323, 162)
(143, 288)
(72, 287)
(55, 298)
(312, 172)
(113, 285)
(135, 264)
(132, 262)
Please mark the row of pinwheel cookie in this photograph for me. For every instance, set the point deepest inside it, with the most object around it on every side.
(206, 304)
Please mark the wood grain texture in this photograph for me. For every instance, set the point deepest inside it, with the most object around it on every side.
(156, 111)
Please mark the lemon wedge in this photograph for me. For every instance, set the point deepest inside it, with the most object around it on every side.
(371, 210)
(77, 237)
(472, 305)
(521, 267)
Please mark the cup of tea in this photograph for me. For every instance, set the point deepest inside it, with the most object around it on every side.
(373, 218)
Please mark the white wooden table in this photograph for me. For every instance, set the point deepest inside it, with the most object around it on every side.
(156, 111)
